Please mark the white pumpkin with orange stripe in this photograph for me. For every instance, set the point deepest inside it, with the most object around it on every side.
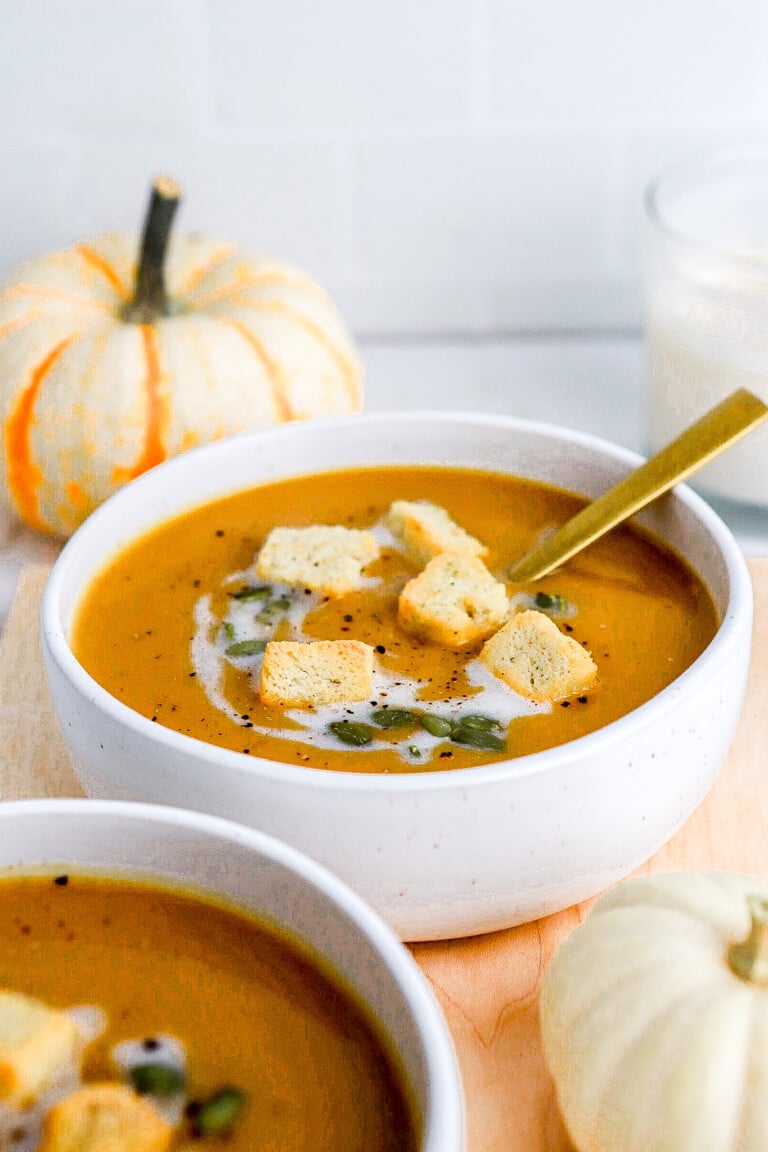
(105, 373)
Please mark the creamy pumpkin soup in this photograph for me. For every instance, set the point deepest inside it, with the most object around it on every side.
(362, 621)
(144, 1019)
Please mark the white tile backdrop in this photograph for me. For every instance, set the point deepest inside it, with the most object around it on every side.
(443, 166)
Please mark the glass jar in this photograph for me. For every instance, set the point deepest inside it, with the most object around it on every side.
(706, 322)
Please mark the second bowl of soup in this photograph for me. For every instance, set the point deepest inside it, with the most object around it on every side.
(172, 981)
(312, 630)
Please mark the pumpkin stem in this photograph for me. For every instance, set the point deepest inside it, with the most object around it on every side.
(150, 298)
(749, 958)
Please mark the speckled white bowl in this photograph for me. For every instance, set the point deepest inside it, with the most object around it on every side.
(437, 853)
(277, 884)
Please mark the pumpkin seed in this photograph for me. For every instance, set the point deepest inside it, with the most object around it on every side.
(393, 717)
(474, 738)
(229, 630)
(219, 1111)
(350, 733)
(479, 723)
(548, 602)
(253, 592)
(246, 648)
(436, 725)
(274, 608)
(156, 1079)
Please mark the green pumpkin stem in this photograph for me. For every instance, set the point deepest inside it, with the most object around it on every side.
(749, 958)
(150, 298)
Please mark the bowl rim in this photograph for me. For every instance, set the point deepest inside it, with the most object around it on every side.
(444, 1116)
(737, 614)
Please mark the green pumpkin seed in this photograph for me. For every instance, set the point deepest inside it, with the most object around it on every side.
(550, 603)
(474, 738)
(350, 733)
(273, 609)
(253, 592)
(229, 630)
(479, 723)
(436, 725)
(393, 717)
(156, 1079)
(219, 1111)
(246, 648)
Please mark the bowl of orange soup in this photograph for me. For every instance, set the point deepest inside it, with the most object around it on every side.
(311, 630)
(171, 980)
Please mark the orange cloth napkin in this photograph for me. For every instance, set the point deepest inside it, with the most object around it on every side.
(487, 986)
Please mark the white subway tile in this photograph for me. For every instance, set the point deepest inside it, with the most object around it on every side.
(638, 62)
(299, 65)
(404, 308)
(464, 166)
(283, 199)
(277, 198)
(116, 173)
(594, 386)
(484, 211)
(38, 201)
(599, 303)
(86, 64)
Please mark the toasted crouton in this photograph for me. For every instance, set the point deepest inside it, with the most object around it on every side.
(454, 601)
(326, 558)
(321, 672)
(533, 657)
(36, 1044)
(104, 1118)
(426, 530)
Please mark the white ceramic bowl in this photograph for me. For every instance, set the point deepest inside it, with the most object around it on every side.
(278, 884)
(437, 853)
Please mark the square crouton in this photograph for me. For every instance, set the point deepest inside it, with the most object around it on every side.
(104, 1118)
(533, 657)
(454, 601)
(326, 558)
(37, 1044)
(426, 530)
(310, 675)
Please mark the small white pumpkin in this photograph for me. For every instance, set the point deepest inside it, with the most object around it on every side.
(654, 1018)
(105, 373)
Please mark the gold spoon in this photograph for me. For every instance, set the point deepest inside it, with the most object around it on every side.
(721, 427)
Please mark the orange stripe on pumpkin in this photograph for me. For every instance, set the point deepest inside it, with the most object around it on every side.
(102, 265)
(51, 292)
(17, 323)
(198, 274)
(353, 389)
(265, 279)
(158, 414)
(22, 474)
(76, 494)
(189, 440)
(273, 370)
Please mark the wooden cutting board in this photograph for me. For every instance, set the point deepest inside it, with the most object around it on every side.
(487, 986)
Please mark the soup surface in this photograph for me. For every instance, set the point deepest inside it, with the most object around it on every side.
(174, 626)
(181, 981)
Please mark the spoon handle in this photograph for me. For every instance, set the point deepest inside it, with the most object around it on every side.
(722, 426)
